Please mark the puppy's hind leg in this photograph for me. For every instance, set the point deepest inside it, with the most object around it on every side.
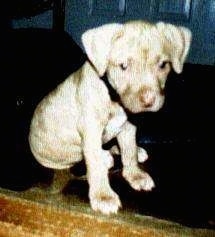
(142, 155)
(59, 181)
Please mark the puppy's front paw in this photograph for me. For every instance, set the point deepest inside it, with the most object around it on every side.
(106, 203)
(139, 180)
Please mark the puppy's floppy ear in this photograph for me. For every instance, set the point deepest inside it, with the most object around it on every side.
(178, 41)
(97, 43)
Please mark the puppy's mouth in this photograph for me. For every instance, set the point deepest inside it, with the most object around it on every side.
(135, 105)
(139, 102)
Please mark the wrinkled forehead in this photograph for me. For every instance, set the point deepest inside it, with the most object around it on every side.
(138, 43)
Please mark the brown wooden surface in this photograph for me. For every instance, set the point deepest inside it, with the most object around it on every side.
(21, 217)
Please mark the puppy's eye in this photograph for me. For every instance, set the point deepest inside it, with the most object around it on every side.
(162, 65)
(123, 66)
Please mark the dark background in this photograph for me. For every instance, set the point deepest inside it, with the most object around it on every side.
(38, 51)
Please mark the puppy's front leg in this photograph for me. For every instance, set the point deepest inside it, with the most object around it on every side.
(138, 179)
(118, 118)
(102, 197)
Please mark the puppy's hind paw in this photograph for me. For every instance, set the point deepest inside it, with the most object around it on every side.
(139, 180)
(108, 159)
(105, 203)
(142, 155)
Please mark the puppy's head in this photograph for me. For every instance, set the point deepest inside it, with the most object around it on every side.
(137, 57)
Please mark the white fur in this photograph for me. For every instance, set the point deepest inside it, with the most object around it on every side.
(72, 122)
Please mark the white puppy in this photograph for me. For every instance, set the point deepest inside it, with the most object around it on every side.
(74, 120)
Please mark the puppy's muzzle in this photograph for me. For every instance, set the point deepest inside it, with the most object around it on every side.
(147, 98)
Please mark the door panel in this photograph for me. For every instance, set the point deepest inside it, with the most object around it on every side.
(103, 7)
(198, 15)
(180, 10)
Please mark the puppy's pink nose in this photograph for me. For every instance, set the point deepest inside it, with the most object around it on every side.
(147, 98)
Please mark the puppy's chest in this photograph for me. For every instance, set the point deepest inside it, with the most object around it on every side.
(101, 108)
(103, 114)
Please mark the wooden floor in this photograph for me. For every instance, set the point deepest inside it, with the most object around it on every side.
(37, 214)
